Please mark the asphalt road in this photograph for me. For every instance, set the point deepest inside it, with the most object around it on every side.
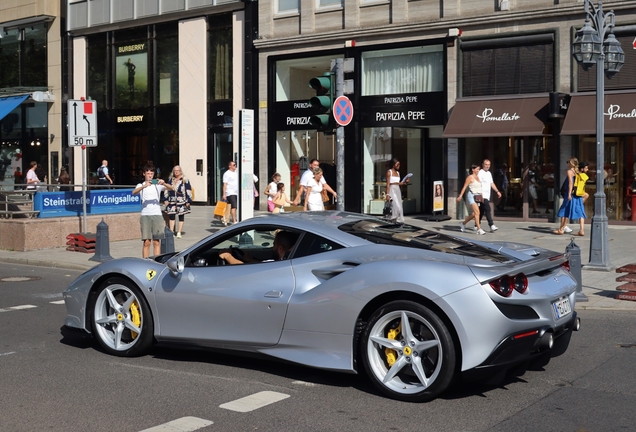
(55, 384)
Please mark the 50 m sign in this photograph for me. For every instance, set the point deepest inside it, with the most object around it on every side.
(82, 123)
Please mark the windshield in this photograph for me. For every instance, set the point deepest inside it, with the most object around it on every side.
(380, 232)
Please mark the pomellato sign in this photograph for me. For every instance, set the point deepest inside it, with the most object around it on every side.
(488, 116)
(614, 112)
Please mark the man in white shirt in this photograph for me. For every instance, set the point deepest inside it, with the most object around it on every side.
(151, 220)
(304, 180)
(230, 188)
(485, 176)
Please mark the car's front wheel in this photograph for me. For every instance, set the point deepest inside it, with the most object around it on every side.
(121, 319)
(408, 352)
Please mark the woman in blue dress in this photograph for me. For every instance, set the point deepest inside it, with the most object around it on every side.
(572, 207)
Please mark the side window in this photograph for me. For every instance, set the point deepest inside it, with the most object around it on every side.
(259, 243)
(312, 244)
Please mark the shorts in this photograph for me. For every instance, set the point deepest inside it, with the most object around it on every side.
(470, 198)
(232, 200)
(533, 191)
(270, 206)
(152, 227)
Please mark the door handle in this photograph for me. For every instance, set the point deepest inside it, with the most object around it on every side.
(274, 294)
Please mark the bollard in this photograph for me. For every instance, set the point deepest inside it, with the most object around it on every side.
(167, 243)
(575, 269)
(102, 245)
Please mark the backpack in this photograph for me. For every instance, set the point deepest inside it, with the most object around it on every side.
(100, 172)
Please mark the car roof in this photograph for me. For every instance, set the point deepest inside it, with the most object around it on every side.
(325, 223)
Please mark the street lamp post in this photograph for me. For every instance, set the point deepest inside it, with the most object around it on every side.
(592, 48)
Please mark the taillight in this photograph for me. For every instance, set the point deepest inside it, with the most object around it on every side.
(505, 285)
(566, 265)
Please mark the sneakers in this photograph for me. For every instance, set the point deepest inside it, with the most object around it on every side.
(475, 227)
(567, 229)
(493, 228)
(178, 235)
(462, 227)
(481, 232)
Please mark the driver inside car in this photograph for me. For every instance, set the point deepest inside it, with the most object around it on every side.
(283, 242)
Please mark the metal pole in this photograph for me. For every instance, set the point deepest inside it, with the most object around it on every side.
(339, 74)
(84, 230)
(599, 245)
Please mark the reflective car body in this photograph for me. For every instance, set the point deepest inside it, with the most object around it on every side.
(340, 300)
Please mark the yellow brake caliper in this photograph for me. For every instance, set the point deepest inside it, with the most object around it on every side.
(391, 355)
(135, 317)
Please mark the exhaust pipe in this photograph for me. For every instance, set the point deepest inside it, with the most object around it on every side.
(546, 342)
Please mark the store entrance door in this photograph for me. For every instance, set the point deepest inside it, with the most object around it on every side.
(130, 155)
(220, 153)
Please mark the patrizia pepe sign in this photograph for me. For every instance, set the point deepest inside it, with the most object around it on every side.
(489, 116)
(614, 112)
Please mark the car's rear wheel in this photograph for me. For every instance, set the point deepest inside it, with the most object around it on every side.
(408, 352)
(121, 319)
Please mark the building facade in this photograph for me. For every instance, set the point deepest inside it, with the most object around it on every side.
(169, 78)
(441, 85)
(30, 90)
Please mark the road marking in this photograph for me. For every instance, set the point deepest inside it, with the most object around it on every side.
(255, 401)
(305, 383)
(14, 308)
(7, 353)
(57, 302)
(184, 424)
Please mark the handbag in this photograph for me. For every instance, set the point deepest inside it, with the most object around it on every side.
(219, 210)
(387, 210)
(479, 198)
(324, 195)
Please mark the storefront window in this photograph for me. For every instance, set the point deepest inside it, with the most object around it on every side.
(381, 144)
(97, 71)
(403, 70)
(521, 167)
(167, 76)
(295, 149)
(34, 56)
(220, 58)
(23, 57)
(292, 77)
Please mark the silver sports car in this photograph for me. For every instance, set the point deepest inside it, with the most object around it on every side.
(413, 308)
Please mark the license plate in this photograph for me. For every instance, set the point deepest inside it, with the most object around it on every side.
(562, 307)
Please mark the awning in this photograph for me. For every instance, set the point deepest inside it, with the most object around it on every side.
(519, 116)
(8, 104)
(619, 112)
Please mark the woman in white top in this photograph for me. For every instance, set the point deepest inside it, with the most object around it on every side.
(31, 177)
(473, 184)
(313, 196)
(393, 191)
(271, 191)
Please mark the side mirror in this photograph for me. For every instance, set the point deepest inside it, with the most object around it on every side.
(176, 265)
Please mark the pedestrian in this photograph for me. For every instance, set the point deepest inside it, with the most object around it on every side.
(178, 200)
(530, 179)
(230, 188)
(581, 195)
(393, 191)
(31, 177)
(103, 177)
(473, 197)
(151, 220)
(271, 190)
(501, 179)
(64, 179)
(313, 193)
(304, 181)
(280, 199)
(487, 183)
(571, 208)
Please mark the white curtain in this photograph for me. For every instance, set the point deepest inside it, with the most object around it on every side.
(410, 73)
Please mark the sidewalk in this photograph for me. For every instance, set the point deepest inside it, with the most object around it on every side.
(598, 286)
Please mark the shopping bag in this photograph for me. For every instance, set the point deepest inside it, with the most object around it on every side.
(220, 208)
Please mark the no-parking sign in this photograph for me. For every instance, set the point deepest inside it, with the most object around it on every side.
(342, 110)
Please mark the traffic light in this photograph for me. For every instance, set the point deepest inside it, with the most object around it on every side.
(322, 103)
